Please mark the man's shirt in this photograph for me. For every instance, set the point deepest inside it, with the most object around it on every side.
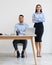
(21, 27)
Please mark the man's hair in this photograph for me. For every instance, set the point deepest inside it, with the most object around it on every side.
(21, 15)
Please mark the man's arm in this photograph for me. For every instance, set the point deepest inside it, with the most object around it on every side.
(26, 27)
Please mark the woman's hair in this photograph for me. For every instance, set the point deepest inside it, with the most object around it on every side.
(36, 8)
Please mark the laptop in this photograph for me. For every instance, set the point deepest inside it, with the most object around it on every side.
(30, 31)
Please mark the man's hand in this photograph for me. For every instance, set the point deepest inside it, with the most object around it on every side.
(18, 30)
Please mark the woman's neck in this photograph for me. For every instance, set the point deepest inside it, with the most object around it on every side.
(38, 12)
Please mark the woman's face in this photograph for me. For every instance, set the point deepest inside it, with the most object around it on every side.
(38, 8)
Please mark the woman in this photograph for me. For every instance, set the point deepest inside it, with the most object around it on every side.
(38, 19)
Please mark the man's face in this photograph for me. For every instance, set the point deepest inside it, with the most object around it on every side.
(21, 19)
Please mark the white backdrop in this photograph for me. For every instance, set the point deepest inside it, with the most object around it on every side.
(9, 11)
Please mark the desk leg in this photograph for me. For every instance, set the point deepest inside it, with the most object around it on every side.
(34, 51)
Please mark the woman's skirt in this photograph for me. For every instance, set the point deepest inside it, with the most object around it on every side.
(39, 29)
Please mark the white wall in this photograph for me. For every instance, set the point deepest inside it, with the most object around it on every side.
(9, 11)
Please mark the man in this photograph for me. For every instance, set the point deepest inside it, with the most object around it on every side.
(20, 29)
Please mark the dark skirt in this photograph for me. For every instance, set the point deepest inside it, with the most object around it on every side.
(39, 29)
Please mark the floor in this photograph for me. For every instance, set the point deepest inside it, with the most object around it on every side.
(10, 59)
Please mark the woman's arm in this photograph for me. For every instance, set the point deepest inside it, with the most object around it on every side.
(42, 18)
(33, 18)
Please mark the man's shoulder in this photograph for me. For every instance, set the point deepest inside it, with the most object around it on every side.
(25, 24)
(17, 24)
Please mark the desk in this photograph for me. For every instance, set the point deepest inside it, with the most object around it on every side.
(22, 37)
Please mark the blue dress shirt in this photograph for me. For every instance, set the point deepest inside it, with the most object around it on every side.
(39, 17)
(21, 27)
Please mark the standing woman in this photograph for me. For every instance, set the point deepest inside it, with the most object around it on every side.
(38, 19)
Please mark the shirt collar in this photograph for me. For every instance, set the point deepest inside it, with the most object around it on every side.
(21, 23)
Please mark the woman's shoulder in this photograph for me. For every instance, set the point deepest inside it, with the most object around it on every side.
(34, 13)
(42, 13)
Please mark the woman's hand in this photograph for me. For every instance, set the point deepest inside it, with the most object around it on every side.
(34, 19)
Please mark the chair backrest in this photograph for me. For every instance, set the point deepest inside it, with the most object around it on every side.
(20, 44)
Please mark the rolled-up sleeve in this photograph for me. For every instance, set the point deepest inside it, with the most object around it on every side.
(33, 16)
(16, 27)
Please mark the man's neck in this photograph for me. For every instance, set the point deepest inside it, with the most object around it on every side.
(21, 23)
